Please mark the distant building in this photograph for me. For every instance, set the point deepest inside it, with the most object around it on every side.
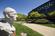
(46, 7)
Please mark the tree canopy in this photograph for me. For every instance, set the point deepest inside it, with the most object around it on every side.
(21, 17)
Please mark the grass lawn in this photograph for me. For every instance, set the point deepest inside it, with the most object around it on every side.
(49, 25)
(20, 28)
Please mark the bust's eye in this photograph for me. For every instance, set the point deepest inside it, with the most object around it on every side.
(15, 13)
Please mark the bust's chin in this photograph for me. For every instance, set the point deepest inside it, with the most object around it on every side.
(14, 19)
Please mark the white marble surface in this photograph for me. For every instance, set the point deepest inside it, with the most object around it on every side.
(6, 27)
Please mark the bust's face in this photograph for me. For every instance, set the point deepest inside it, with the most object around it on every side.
(12, 14)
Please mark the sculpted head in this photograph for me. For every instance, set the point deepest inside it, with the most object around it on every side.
(10, 13)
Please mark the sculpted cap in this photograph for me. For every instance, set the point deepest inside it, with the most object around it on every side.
(9, 9)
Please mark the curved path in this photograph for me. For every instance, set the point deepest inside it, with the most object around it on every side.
(46, 31)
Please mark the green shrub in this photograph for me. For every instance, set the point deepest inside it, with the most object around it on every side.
(42, 21)
(52, 14)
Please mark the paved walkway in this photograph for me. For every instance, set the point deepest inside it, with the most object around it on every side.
(46, 31)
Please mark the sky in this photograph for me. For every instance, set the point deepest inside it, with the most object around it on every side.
(21, 6)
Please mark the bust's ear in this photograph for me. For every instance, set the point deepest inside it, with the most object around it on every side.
(7, 16)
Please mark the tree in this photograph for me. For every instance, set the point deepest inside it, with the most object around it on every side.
(34, 15)
(21, 17)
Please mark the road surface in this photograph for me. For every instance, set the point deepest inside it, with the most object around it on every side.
(44, 30)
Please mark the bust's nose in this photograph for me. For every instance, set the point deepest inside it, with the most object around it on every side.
(15, 17)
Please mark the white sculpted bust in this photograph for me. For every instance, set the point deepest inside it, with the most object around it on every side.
(10, 16)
